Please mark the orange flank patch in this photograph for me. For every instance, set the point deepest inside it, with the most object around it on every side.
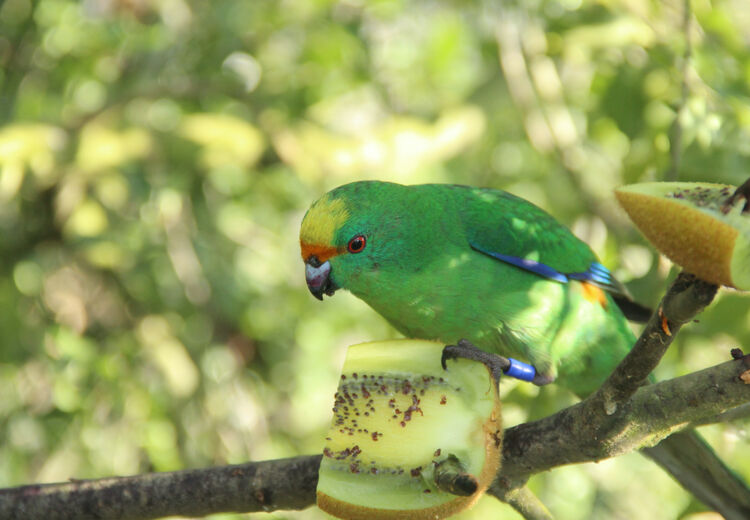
(594, 294)
(323, 253)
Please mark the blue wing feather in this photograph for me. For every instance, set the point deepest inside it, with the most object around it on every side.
(528, 265)
(596, 274)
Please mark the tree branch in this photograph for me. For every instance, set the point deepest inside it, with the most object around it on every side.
(637, 416)
(686, 297)
(567, 437)
(255, 486)
(740, 413)
(582, 434)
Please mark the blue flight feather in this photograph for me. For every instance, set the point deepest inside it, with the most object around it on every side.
(528, 265)
(596, 274)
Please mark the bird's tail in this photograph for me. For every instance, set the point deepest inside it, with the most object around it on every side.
(692, 462)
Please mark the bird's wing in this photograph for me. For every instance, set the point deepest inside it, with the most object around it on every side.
(515, 231)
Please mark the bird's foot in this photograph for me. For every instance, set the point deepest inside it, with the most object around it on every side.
(497, 365)
(743, 192)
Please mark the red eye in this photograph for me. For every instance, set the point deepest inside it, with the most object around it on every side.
(357, 244)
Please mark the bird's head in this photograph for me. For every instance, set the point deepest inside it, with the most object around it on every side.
(352, 234)
(321, 243)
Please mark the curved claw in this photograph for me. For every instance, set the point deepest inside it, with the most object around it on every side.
(497, 365)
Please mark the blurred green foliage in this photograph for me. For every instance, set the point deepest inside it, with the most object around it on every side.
(156, 158)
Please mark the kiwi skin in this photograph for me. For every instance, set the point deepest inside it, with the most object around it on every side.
(416, 362)
(685, 222)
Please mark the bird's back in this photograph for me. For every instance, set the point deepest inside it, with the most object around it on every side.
(571, 331)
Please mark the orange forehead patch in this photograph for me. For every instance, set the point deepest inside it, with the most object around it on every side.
(322, 253)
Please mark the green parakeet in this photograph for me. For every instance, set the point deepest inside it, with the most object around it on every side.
(447, 262)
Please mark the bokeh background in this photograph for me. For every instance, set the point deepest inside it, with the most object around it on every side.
(157, 156)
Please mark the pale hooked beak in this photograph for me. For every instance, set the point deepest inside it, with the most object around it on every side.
(318, 278)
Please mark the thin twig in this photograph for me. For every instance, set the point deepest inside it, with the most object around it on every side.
(527, 504)
(675, 132)
(685, 298)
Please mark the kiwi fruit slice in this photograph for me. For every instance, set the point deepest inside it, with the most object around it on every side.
(695, 226)
(409, 440)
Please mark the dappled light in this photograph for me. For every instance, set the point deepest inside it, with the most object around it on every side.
(157, 159)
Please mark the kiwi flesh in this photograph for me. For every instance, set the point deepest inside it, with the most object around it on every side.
(397, 418)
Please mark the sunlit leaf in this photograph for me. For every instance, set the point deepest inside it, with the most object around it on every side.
(87, 220)
(226, 140)
(101, 148)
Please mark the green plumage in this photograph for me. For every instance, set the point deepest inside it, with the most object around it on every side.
(449, 262)
(420, 271)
